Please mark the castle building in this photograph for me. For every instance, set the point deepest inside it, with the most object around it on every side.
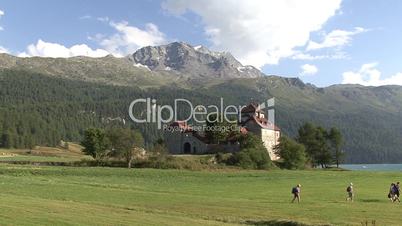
(255, 121)
(180, 138)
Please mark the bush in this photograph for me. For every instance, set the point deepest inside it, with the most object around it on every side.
(251, 158)
(292, 154)
(222, 158)
(253, 154)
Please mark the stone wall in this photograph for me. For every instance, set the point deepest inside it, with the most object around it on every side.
(184, 143)
(270, 138)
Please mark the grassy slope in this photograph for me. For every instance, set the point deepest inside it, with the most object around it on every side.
(107, 70)
(106, 196)
(44, 154)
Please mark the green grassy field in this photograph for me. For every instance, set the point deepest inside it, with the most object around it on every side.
(33, 195)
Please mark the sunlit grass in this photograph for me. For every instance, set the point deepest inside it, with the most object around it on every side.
(112, 196)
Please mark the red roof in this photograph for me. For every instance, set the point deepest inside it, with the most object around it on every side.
(263, 122)
(243, 130)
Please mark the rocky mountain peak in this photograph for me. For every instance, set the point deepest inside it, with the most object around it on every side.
(192, 61)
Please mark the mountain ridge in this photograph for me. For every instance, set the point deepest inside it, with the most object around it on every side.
(196, 62)
(180, 61)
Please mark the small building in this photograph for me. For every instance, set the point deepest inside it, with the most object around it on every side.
(180, 137)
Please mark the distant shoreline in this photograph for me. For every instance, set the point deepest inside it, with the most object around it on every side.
(373, 167)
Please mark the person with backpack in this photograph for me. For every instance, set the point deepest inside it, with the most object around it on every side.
(296, 193)
(394, 192)
(397, 191)
(349, 191)
(391, 193)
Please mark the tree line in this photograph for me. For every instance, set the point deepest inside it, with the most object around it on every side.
(313, 146)
(122, 143)
(42, 110)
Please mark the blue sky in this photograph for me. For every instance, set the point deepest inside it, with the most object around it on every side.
(322, 42)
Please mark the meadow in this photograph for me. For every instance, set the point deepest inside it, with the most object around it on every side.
(54, 195)
(44, 154)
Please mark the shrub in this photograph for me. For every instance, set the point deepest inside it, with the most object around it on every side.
(292, 154)
(253, 154)
(251, 158)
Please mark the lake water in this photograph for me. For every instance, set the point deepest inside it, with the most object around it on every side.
(373, 167)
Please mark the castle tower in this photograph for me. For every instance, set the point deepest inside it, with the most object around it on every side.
(254, 120)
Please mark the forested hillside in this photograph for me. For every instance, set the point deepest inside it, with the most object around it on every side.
(370, 118)
(41, 109)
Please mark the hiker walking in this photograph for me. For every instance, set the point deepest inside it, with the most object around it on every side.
(391, 193)
(349, 191)
(394, 192)
(397, 190)
(296, 193)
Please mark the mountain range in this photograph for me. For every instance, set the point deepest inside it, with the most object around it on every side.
(83, 91)
(148, 66)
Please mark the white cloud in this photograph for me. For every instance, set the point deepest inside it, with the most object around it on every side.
(336, 38)
(48, 49)
(369, 75)
(103, 19)
(298, 55)
(258, 32)
(308, 69)
(85, 17)
(3, 50)
(126, 40)
(129, 38)
(1, 14)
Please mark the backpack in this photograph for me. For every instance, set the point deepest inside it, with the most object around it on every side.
(294, 190)
(348, 189)
(394, 189)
